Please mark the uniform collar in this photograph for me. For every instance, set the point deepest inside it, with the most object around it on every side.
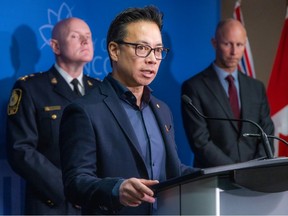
(67, 77)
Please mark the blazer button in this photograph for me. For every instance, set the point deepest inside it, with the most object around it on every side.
(50, 203)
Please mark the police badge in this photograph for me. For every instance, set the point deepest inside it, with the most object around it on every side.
(14, 101)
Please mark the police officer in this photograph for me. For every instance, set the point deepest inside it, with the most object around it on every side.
(34, 112)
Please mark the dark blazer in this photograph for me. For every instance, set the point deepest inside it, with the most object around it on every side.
(106, 149)
(35, 110)
(217, 143)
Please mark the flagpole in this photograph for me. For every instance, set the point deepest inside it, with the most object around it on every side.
(286, 9)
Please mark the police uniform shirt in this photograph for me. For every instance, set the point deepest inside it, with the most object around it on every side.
(68, 79)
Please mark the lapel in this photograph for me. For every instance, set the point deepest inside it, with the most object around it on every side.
(164, 120)
(88, 84)
(161, 116)
(212, 82)
(113, 103)
(245, 95)
(62, 88)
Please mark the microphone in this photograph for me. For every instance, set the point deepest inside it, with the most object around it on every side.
(262, 134)
(269, 136)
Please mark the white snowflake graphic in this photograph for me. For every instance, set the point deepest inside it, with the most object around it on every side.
(53, 17)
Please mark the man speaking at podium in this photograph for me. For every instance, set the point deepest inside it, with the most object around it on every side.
(222, 91)
(126, 143)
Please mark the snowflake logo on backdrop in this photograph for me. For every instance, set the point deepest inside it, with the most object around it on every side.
(53, 17)
(100, 65)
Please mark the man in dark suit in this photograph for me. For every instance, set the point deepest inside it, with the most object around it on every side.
(126, 142)
(34, 114)
(216, 143)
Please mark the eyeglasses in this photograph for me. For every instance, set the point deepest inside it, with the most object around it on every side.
(143, 51)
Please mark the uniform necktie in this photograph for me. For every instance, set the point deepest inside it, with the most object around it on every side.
(233, 96)
(75, 83)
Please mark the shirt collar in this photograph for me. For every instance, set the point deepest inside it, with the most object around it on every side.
(67, 77)
(223, 74)
(126, 95)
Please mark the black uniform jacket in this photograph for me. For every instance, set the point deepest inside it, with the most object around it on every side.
(34, 112)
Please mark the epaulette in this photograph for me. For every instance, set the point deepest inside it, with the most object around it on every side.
(24, 78)
(96, 78)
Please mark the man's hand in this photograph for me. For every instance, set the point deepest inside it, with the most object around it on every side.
(134, 191)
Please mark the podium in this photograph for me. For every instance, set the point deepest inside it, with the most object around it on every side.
(257, 187)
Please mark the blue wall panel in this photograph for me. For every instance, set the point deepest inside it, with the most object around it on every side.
(25, 30)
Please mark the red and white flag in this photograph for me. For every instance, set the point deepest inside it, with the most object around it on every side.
(246, 65)
(277, 92)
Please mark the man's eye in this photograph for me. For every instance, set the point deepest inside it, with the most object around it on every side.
(159, 49)
(74, 36)
(141, 47)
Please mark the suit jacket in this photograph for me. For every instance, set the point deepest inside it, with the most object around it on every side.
(106, 150)
(35, 110)
(217, 142)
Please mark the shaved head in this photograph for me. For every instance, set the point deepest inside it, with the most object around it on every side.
(227, 24)
(71, 42)
(62, 26)
(229, 42)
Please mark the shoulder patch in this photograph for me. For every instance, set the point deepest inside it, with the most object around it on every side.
(14, 101)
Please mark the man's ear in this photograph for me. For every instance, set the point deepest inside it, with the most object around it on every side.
(214, 42)
(55, 46)
(113, 49)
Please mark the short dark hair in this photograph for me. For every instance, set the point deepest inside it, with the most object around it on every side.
(117, 29)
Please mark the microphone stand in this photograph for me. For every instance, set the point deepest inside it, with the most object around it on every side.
(263, 135)
(269, 136)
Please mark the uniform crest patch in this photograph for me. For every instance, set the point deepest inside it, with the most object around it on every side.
(14, 101)
(54, 81)
(90, 83)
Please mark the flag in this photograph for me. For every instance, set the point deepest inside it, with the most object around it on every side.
(246, 65)
(277, 92)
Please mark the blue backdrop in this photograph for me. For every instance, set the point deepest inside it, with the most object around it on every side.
(25, 30)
